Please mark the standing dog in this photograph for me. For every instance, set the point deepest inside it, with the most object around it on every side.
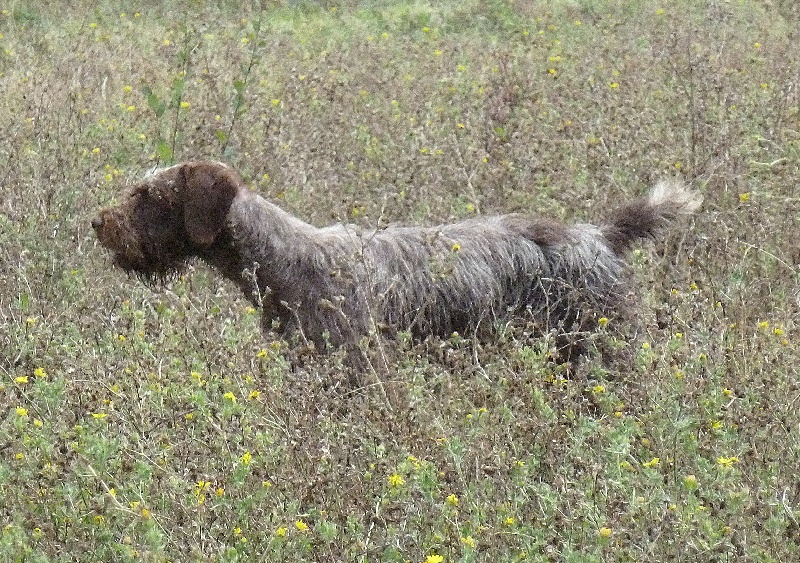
(339, 283)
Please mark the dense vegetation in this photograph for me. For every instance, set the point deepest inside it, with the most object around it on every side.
(162, 425)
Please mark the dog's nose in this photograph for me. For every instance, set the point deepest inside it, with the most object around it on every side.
(97, 222)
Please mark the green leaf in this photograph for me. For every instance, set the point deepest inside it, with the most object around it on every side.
(155, 104)
(164, 152)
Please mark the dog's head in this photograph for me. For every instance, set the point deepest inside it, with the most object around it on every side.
(172, 215)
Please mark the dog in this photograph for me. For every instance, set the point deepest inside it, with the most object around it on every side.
(337, 284)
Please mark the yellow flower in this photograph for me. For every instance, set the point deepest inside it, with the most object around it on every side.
(396, 480)
(145, 514)
(723, 461)
(597, 389)
(254, 394)
(456, 247)
(185, 105)
(468, 541)
(434, 558)
(452, 500)
(604, 532)
(22, 379)
(744, 197)
(602, 321)
(510, 521)
(301, 526)
(281, 532)
(99, 414)
(652, 463)
(22, 411)
(246, 458)
(230, 396)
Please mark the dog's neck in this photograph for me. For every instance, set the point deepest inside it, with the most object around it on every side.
(285, 236)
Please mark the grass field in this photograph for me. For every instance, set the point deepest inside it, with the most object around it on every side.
(161, 425)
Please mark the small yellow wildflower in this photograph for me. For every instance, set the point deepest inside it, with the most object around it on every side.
(396, 480)
(145, 514)
(23, 412)
(246, 458)
(468, 541)
(602, 321)
(281, 532)
(301, 526)
(220, 492)
(652, 463)
(727, 392)
(510, 521)
(434, 558)
(743, 197)
(22, 379)
(452, 500)
(230, 396)
(456, 247)
(254, 394)
(99, 414)
(185, 105)
(604, 532)
(723, 461)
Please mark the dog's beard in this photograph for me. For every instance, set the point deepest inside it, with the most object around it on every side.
(152, 272)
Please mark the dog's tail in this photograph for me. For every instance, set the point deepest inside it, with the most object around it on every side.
(647, 216)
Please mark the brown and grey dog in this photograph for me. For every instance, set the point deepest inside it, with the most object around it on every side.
(339, 283)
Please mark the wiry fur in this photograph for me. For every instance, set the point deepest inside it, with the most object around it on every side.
(341, 282)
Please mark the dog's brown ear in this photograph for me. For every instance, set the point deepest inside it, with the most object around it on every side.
(210, 189)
